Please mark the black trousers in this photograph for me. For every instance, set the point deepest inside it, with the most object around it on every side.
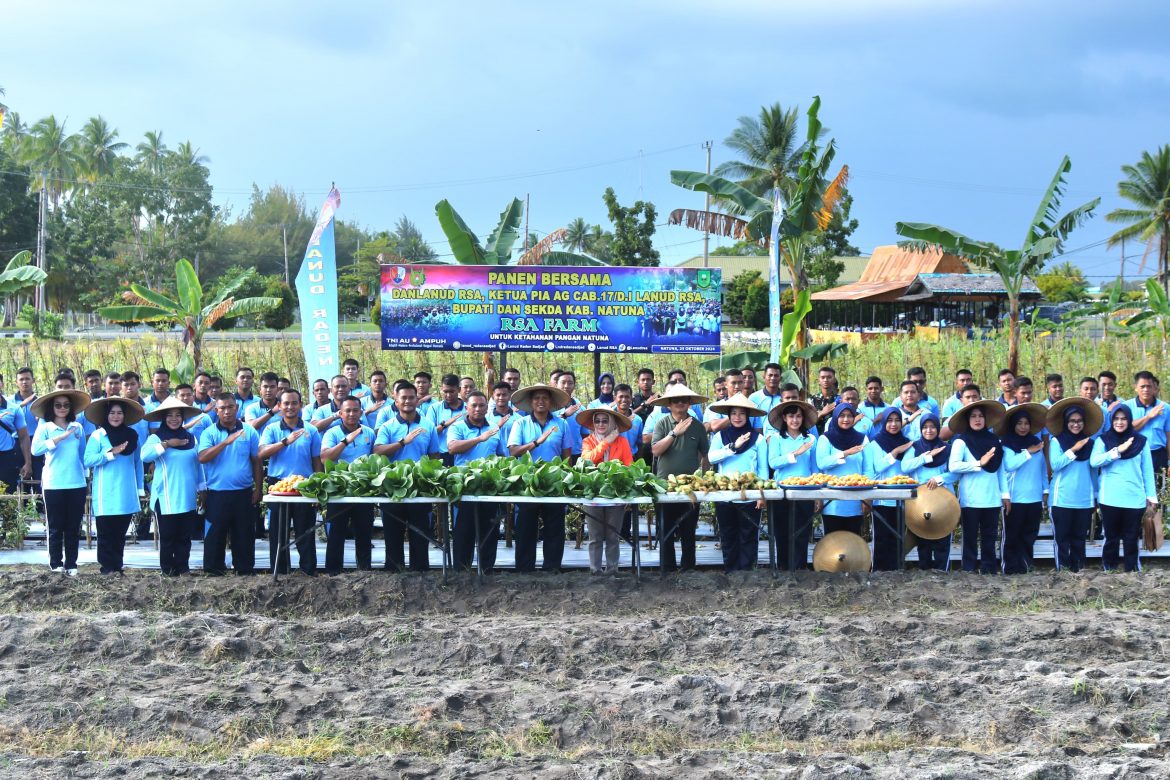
(980, 533)
(552, 532)
(341, 518)
(886, 545)
(1069, 529)
(1121, 525)
(407, 523)
(934, 553)
(681, 520)
(63, 510)
(1159, 456)
(792, 557)
(302, 518)
(174, 543)
(231, 514)
(111, 546)
(842, 523)
(10, 463)
(739, 534)
(1020, 529)
(465, 539)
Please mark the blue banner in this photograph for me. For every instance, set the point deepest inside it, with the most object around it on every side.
(546, 308)
(317, 291)
(774, 314)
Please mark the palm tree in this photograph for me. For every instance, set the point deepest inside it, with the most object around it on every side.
(15, 133)
(577, 235)
(189, 155)
(771, 150)
(152, 152)
(1147, 186)
(52, 156)
(97, 148)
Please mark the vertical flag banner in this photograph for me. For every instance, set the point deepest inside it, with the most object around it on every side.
(774, 318)
(317, 291)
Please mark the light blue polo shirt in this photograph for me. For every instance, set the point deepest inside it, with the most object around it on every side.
(296, 458)
(232, 469)
(527, 430)
(325, 412)
(362, 445)
(439, 414)
(257, 410)
(495, 418)
(463, 430)
(1155, 429)
(12, 422)
(373, 419)
(396, 429)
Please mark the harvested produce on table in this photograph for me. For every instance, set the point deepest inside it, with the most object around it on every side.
(375, 475)
(851, 480)
(287, 485)
(901, 479)
(710, 482)
(815, 480)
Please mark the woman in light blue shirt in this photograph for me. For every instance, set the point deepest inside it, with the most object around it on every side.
(1127, 486)
(838, 452)
(977, 459)
(113, 453)
(177, 475)
(1073, 422)
(59, 439)
(883, 455)
(1027, 477)
(790, 454)
(739, 448)
(928, 462)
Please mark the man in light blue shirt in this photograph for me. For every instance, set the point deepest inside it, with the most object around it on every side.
(406, 434)
(768, 397)
(244, 396)
(230, 454)
(476, 525)
(352, 372)
(292, 449)
(329, 416)
(544, 436)
(954, 403)
(1150, 419)
(267, 406)
(346, 442)
(447, 412)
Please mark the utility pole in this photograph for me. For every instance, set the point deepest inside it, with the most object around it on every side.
(526, 205)
(42, 261)
(1122, 275)
(707, 208)
(284, 235)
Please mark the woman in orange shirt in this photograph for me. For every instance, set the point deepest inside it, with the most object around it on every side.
(604, 521)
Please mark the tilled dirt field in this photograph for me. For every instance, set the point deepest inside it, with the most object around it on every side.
(567, 676)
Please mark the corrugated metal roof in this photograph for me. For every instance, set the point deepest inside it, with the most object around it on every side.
(871, 292)
(965, 284)
(890, 271)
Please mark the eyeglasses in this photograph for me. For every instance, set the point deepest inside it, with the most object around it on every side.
(603, 418)
(62, 405)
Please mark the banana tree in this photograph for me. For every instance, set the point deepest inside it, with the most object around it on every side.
(190, 308)
(1044, 240)
(17, 277)
(1155, 312)
(1106, 309)
(808, 212)
(468, 250)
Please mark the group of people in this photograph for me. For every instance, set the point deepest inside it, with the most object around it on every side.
(197, 455)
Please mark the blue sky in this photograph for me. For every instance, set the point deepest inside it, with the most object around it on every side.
(947, 112)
